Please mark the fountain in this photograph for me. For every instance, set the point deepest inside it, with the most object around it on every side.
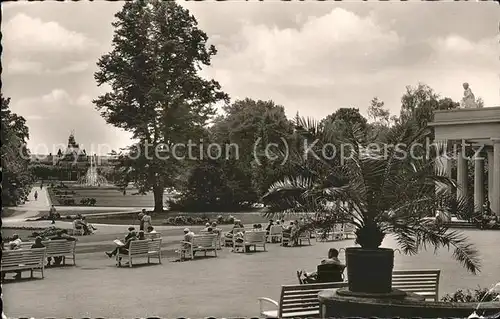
(92, 178)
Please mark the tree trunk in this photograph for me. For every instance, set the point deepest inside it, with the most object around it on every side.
(158, 197)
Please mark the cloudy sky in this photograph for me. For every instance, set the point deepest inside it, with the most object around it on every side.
(311, 57)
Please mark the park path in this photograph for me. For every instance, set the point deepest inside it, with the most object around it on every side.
(31, 207)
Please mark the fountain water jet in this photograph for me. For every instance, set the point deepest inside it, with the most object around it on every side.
(92, 178)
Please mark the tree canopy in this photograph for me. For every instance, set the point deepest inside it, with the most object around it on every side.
(156, 90)
(16, 175)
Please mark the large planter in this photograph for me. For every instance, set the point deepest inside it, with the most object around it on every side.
(369, 270)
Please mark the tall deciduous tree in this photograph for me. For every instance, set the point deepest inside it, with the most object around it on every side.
(156, 90)
(16, 177)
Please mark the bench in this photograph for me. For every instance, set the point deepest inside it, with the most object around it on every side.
(252, 238)
(297, 301)
(304, 236)
(424, 282)
(218, 232)
(141, 248)
(228, 241)
(23, 259)
(203, 242)
(337, 233)
(56, 248)
(275, 233)
(152, 235)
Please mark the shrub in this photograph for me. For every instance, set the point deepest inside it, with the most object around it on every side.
(88, 201)
(468, 295)
(197, 220)
(48, 232)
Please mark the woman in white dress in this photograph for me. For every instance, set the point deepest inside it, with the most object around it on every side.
(146, 220)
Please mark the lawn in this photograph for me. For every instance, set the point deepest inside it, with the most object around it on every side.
(226, 286)
(108, 197)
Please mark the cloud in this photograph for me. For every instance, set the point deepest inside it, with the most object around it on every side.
(24, 34)
(339, 41)
(26, 67)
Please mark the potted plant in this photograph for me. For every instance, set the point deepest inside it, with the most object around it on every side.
(379, 188)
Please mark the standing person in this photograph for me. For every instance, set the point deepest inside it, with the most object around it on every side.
(140, 216)
(36, 195)
(146, 220)
(52, 214)
(41, 185)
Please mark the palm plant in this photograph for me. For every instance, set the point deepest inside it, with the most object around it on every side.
(382, 188)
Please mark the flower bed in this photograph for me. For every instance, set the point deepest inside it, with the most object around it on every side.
(194, 220)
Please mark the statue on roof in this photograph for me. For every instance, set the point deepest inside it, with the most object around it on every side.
(469, 100)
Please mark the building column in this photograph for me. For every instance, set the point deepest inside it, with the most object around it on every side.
(489, 151)
(495, 203)
(478, 181)
(461, 172)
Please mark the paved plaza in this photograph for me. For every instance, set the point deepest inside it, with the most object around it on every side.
(228, 285)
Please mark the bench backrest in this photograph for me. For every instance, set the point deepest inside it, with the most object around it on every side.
(13, 258)
(154, 244)
(139, 247)
(296, 298)
(204, 240)
(255, 236)
(152, 235)
(59, 246)
(276, 230)
(418, 281)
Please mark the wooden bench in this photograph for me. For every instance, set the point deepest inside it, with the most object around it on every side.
(23, 259)
(252, 238)
(141, 248)
(218, 233)
(228, 241)
(424, 282)
(297, 301)
(202, 242)
(56, 248)
(152, 235)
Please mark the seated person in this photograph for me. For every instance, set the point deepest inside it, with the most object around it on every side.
(15, 243)
(207, 225)
(151, 230)
(141, 235)
(38, 243)
(215, 230)
(80, 223)
(131, 236)
(188, 237)
(268, 227)
(89, 227)
(287, 231)
(237, 225)
(333, 260)
(60, 235)
(239, 237)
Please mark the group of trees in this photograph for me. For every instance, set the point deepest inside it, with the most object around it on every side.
(158, 95)
(16, 175)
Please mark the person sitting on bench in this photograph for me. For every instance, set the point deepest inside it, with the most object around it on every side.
(330, 270)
